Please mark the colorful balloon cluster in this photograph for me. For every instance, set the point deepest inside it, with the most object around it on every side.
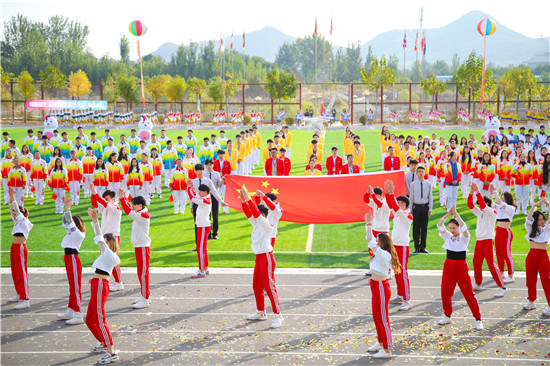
(487, 27)
(138, 28)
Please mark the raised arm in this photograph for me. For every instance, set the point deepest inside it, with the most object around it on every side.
(98, 238)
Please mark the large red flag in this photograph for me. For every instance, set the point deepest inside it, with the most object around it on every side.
(328, 199)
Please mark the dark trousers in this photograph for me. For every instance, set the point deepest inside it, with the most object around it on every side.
(420, 225)
(214, 217)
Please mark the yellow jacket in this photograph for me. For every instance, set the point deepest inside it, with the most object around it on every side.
(319, 154)
(359, 158)
(265, 154)
(234, 157)
(288, 139)
(315, 172)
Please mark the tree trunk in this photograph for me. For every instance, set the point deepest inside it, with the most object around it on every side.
(25, 113)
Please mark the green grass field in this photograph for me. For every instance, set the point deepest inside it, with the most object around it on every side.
(337, 246)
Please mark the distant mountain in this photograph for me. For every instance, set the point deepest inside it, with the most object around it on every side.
(264, 43)
(504, 47)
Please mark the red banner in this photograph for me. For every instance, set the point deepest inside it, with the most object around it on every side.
(327, 199)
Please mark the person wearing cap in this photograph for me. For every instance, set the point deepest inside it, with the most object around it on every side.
(334, 163)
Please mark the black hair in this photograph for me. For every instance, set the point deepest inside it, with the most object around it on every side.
(404, 199)
(420, 167)
(204, 188)
(111, 157)
(131, 169)
(463, 157)
(334, 148)
(269, 140)
(488, 201)
(206, 139)
(545, 171)
(508, 198)
(30, 131)
(271, 196)
(168, 142)
(208, 161)
(109, 193)
(139, 200)
(263, 210)
(454, 221)
(199, 167)
(413, 161)
(378, 190)
(535, 227)
(88, 148)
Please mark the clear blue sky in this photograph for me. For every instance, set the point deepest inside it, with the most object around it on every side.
(182, 21)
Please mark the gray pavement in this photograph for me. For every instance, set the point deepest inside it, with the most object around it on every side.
(328, 320)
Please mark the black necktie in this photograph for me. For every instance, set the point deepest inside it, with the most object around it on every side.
(200, 182)
(421, 190)
(413, 177)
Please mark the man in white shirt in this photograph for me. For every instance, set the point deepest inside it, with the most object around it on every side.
(216, 179)
(410, 176)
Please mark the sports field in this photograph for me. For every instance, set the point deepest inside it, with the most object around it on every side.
(337, 246)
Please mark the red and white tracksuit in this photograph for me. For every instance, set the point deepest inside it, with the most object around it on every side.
(264, 267)
(485, 234)
(380, 213)
(141, 242)
(71, 243)
(537, 262)
(202, 222)
(273, 216)
(455, 271)
(18, 253)
(400, 236)
(96, 318)
(503, 239)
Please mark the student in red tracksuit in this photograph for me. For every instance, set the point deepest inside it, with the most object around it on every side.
(485, 235)
(392, 162)
(141, 242)
(76, 232)
(273, 166)
(275, 211)
(96, 317)
(402, 221)
(18, 253)
(264, 267)
(334, 163)
(455, 270)
(538, 234)
(506, 208)
(381, 212)
(382, 260)
(111, 215)
(204, 207)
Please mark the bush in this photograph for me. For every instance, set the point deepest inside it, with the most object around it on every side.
(363, 120)
(246, 120)
(289, 121)
(162, 118)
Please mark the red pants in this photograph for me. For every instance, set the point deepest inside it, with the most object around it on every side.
(537, 262)
(117, 274)
(143, 255)
(503, 249)
(402, 278)
(273, 242)
(456, 272)
(74, 275)
(202, 251)
(381, 294)
(18, 259)
(264, 280)
(375, 234)
(484, 250)
(96, 319)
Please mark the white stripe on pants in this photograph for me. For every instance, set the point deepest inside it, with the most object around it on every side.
(39, 185)
(452, 193)
(522, 196)
(74, 187)
(180, 200)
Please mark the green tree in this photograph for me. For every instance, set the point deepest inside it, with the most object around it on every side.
(52, 78)
(7, 77)
(124, 45)
(156, 85)
(348, 63)
(126, 87)
(215, 91)
(380, 75)
(110, 90)
(521, 82)
(27, 88)
(281, 85)
(175, 89)
(196, 88)
(468, 78)
(432, 86)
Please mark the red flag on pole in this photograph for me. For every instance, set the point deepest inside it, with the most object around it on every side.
(231, 47)
(331, 27)
(315, 26)
(243, 40)
(404, 40)
(222, 48)
(416, 42)
(300, 195)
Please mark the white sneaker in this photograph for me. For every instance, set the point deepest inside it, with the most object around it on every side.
(138, 299)
(141, 303)
(176, 212)
(277, 321)
(199, 274)
(76, 319)
(529, 305)
(67, 314)
(477, 287)
(108, 358)
(377, 347)
(546, 312)
(396, 300)
(509, 280)
(406, 306)
(479, 325)
(23, 304)
(14, 299)
(368, 273)
(117, 286)
(99, 348)
(525, 213)
(382, 354)
(259, 315)
(446, 320)
(501, 292)
(207, 272)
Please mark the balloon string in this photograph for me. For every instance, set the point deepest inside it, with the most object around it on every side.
(141, 67)
(483, 74)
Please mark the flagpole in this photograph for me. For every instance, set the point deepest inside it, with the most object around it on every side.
(404, 52)
(244, 61)
(315, 58)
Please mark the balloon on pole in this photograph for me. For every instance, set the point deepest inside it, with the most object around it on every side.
(138, 29)
(486, 27)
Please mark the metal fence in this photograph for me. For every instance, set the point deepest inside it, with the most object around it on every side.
(401, 98)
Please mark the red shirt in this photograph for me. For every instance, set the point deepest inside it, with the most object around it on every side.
(334, 169)
(269, 165)
(287, 165)
(390, 164)
(345, 169)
